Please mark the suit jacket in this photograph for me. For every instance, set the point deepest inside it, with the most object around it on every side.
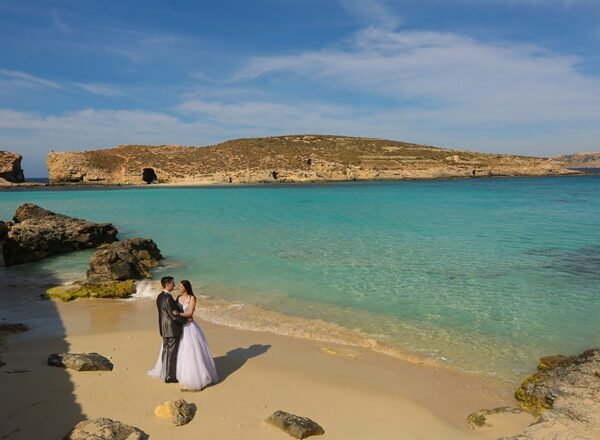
(168, 323)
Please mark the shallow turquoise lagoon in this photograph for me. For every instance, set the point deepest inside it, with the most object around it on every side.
(485, 275)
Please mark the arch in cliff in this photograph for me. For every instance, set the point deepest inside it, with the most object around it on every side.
(149, 175)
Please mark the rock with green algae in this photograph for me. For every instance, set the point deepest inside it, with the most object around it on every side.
(479, 419)
(108, 289)
(566, 391)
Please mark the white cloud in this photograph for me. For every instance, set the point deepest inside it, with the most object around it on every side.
(100, 89)
(444, 78)
(372, 12)
(26, 80)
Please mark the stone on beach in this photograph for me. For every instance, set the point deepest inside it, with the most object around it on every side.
(296, 426)
(178, 412)
(80, 361)
(104, 429)
(38, 233)
(479, 419)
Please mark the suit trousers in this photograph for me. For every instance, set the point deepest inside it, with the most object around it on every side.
(169, 356)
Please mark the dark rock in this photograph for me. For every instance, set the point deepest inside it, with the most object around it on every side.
(567, 395)
(178, 412)
(104, 429)
(80, 361)
(129, 259)
(296, 426)
(11, 329)
(39, 233)
(478, 419)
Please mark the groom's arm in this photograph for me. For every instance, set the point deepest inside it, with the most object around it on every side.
(173, 311)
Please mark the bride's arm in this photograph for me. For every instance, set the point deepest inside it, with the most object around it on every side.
(192, 307)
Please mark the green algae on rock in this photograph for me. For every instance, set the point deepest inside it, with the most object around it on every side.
(109, 289)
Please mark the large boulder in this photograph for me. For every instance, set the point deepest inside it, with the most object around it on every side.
(10, 167)
(38, 233)
(104, 429)
(129, 259)
(296, 426)
(80, 361)
(113, 271)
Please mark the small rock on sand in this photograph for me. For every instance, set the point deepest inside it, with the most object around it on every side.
(296, 426)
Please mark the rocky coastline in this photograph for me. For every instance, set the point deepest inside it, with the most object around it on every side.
(287, 159)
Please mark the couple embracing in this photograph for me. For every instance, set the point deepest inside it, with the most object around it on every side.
(184, 357)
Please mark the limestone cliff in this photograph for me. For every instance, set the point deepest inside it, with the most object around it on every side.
(10, 168)
(300, 158)
(580, 160)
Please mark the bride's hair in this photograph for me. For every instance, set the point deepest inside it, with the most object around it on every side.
(188, 287)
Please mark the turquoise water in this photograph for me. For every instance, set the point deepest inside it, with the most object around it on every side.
(484, 274)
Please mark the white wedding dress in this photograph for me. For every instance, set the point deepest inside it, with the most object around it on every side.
(195, 365)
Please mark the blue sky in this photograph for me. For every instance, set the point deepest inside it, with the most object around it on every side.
(515, 76)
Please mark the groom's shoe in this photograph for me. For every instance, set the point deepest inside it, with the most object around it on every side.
(171, 380)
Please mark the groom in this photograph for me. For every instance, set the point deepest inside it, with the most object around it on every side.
(169, 323)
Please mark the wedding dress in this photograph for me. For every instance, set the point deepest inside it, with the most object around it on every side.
(195, 365)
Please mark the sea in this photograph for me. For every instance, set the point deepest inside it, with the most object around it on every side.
(481, 275)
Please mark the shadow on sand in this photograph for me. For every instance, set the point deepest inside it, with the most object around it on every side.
(235, 359)
(37, 400)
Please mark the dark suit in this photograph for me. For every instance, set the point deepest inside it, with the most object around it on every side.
(170, 329)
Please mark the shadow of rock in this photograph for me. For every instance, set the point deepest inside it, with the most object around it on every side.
(235, 359)
(40, 402)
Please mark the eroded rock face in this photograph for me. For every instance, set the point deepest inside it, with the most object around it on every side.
(104, 429)
(10, 167)
(296, 426)
(38, 233)
(178, 412)
(129, 259)
(297, 158)
(566, 391)
(80, 361)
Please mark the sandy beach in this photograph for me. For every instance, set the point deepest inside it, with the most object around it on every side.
(353, 393)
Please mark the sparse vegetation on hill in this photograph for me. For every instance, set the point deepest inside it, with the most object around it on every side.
(299, 158)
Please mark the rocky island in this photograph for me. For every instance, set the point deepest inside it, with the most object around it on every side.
(299, 158)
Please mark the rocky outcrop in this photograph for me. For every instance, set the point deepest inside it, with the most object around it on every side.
(38, 233)
(178, 412)
(10, 168)
(129, 259)
(80, 361)
(104, 429)
(296, 426)
(580, 160)
(566, 392)
(302, 158)
(113, 271)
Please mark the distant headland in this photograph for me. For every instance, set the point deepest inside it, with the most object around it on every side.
(279, 159)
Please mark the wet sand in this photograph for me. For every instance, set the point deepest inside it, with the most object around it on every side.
(354, 393)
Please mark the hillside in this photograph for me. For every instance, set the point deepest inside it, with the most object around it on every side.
(580, 160)
(300, 158)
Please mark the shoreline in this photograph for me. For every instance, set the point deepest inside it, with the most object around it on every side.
(96, 185)
(361, 394)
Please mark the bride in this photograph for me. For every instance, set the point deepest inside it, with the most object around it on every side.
(195, 365)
